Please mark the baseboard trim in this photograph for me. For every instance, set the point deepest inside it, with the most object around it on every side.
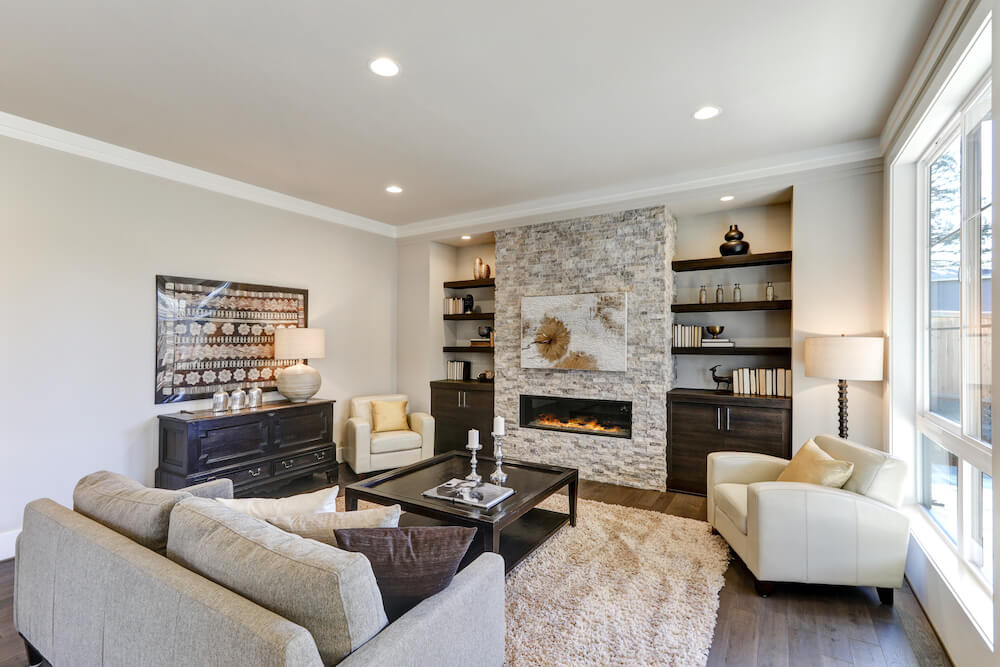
(7, 541)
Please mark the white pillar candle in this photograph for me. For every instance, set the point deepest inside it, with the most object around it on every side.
(498, 426)
(473, 437)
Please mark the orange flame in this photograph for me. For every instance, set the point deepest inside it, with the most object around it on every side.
(582, 423)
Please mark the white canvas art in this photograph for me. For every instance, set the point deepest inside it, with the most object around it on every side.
(575, 331)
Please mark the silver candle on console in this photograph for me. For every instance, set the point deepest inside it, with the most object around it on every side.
(473, 447)
(499, 476)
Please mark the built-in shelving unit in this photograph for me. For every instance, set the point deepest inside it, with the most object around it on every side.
(720, 307)
(466, 284)
(468, 348)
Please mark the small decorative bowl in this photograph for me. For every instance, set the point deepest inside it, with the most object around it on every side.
(715, 330)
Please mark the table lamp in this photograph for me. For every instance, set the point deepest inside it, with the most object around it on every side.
(844, 358)
(298, 383)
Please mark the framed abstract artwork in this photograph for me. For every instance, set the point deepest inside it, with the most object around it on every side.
(217, 334)
(575, 331)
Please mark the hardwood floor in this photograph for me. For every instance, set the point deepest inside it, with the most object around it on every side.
(797, 625)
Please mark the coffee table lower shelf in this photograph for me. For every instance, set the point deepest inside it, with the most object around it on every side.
(517, 540)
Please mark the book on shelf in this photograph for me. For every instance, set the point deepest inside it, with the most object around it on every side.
(685, 335)
(763, 382)
(453, 306)
(480, 342)
(711, 342)
(459, 370)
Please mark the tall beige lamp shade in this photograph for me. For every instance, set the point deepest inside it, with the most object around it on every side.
(844, 358)
(300, 382)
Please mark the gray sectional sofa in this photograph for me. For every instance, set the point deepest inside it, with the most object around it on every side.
(139, 576)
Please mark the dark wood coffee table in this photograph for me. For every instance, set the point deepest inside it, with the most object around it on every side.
(512, 528)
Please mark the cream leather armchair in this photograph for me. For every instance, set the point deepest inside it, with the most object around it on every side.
(787, 531)
(366, 451)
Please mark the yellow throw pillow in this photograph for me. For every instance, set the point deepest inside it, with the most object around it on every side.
(389, 416)
(814, 466)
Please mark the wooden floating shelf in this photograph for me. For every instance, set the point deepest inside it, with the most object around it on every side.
(724, 397)
(467, 348)
(734, 261)
(464, 284)
(719, 307)
(730, 350)
(470, 316)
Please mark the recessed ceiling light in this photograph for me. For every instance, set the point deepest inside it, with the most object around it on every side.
(707, 112)
(466, 237)
(394, 189)
(727, 198)
(384, 67)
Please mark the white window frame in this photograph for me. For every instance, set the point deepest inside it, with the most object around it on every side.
(970, 451)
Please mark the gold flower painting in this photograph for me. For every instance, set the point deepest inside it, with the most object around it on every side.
(575, 332)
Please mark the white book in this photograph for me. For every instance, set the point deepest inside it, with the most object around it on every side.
(737, 382)
(788, 382)
(781, 382)
(761, 382)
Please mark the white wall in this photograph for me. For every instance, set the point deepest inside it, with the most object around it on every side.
(82, 242)
(465, 258)
(836, 289)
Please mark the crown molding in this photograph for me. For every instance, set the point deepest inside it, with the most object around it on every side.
(944, 32)
(839, 156)
(40, 134)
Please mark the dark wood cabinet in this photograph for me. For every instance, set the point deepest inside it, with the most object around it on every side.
(458, 406)
(701, 421)
(274, 443)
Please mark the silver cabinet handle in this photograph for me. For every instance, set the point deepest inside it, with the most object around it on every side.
(320, 456)
(727, 419)
(459, 399)
(287, 464)
(254, 473)
(718, 419)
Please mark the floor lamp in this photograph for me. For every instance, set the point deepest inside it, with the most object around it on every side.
(844, 358)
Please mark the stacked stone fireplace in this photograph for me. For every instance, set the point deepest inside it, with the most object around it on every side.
(621, 252)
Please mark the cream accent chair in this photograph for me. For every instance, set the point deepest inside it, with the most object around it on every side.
(788, 531)
(367, 451)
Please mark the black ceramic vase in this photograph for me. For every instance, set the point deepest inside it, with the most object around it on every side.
(734, 245)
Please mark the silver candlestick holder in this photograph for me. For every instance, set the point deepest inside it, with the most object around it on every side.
(472, 476)
(499, 476)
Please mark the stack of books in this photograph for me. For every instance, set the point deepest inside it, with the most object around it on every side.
(453, 307)
(459, 370)
(481, 342)
(717, 342)
(687, 336)
(763, 382)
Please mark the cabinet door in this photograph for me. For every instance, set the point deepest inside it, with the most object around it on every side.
(299, 427)
(695, 431)
(449, 430)
(479, 415)
(231, 440)
(761, 430)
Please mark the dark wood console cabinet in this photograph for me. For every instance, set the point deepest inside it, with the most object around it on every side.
(274, 443)
(458, 406)
(701, 421)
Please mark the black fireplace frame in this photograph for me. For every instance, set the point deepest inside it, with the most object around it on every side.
(525, 423)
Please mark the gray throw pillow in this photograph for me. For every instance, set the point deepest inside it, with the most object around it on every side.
(410, 564)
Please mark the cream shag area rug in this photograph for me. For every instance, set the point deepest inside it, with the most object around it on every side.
(624, 587)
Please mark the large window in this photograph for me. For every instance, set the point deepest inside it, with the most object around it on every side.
(955, 408)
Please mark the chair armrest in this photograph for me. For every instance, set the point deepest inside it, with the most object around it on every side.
(743, 468)
(213, 488)
(423, 423)
(358, 450)
(810, 533)
(438, 632)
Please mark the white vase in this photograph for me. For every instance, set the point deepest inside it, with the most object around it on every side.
(299, 383)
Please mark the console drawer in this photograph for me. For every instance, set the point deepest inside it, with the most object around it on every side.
(300, 461)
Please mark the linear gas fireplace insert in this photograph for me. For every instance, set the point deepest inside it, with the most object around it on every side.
(592, 416)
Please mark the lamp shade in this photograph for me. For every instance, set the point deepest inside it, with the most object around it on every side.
(845, 357)
(297, 343)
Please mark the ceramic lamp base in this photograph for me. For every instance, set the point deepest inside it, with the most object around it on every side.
(299, 383)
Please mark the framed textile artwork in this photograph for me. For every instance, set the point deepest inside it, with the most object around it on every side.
(586, 332)
(216, 334)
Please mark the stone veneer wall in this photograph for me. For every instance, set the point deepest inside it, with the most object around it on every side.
(622, 252)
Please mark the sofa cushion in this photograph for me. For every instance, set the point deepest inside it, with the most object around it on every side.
(811, 465)
(361, 406)
(412, 563)
(124, 505)
(389, 416)
(320, 527)
(324, 500)
(394, 441)
(731, 500)
(330, 592)
(877, 474)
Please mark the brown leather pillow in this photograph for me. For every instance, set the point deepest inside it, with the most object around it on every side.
(410, 564)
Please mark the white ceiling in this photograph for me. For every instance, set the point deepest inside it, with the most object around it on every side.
(496, 103)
